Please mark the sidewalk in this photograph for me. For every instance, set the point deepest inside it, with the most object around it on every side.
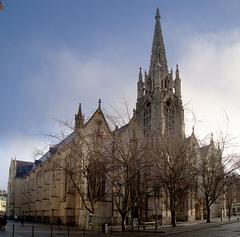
(180, 228)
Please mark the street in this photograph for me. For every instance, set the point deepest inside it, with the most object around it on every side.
(198, 230)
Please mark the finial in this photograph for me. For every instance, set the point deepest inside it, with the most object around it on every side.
(140, 75)
(99, 103)
(80, 108)
(157, 14)
(140, 71)
(193, 128)
(211, 137)
(177, 71)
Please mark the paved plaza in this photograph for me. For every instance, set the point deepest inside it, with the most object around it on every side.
(215, 229)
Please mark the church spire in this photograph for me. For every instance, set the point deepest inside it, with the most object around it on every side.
(158, 55)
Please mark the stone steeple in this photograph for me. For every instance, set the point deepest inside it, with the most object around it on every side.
(159, 105)
(158, 56)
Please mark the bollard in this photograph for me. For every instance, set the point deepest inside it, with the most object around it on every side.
(105, 228)
(68, 230)
(84, 231)
(51, 230)
(32, 230)
(13, 229)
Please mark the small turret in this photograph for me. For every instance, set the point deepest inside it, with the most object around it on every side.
(177, 83)
(140, 85)
(147, 83)
(79, 118)
(170, 86)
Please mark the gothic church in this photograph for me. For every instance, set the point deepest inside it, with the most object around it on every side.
(39, 193)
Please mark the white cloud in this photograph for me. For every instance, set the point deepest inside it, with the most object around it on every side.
(56, 88)
(66, 79)
(211, 80)
(19, 147)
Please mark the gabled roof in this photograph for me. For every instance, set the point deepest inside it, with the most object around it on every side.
(99, 110)
(26, 167)
(70, 138)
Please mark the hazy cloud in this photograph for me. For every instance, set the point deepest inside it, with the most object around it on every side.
(19, 147)
(210, 73)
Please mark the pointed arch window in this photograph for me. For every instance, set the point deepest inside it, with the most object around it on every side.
(147, 115)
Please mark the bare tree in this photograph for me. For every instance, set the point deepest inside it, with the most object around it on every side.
(79, 158)
(232, 184)
(212, 170)
(174, 158)
(129, 172)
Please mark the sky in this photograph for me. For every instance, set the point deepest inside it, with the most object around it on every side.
(56, 54)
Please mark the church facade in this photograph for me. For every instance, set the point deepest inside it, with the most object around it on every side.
(40, 192)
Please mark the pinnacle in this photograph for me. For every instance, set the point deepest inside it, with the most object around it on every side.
(157, 14)
(80, 108)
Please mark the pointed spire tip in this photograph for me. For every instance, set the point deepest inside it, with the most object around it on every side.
(157, 14)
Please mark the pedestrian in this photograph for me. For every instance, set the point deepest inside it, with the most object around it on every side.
(59, 223)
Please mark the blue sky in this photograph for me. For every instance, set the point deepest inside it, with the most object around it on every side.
(55, 54)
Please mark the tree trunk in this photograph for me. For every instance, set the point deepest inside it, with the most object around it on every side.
(229, 213)
(208, 214)
(123, 223)
(173, 218)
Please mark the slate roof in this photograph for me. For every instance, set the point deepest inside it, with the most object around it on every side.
(54, 148)
(23, 168)
(121, 129)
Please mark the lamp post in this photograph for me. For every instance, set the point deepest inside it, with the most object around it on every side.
(52, 219)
